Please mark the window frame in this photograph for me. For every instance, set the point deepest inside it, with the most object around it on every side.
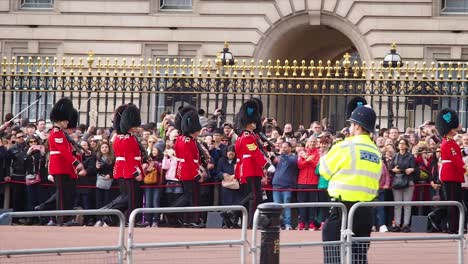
(171, 9)
(443, 8)
(22, 7)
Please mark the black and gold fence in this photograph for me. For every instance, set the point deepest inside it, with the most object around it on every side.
(297, 92)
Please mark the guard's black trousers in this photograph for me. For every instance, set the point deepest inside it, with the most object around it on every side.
(65, 193)
(362, 226)
(253, 196)
(190, 197)
(451, 191)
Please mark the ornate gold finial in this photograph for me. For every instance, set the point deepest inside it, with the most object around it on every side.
(393, 46)
(90, 58)
(346, 61)
(226, 45)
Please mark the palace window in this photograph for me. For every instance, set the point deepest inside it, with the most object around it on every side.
(454, 6)
(36, 4)
(175, 4)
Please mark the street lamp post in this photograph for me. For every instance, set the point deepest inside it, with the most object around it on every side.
(391, 60)
(225, 57)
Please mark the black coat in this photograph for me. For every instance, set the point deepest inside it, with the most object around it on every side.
(224, 166)
(18, 156)
(5, 162)
(106, 168)
(32, 162)
(404, 162)
(89, 162)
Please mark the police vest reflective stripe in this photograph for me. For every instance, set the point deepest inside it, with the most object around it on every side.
(353, 168)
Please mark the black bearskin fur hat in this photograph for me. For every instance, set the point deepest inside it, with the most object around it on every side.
(61, 110)
(446, 120)
(73, 121)
(354, 103)
(190, 122)
(130, 118)
(117, 117)
(249, 113)
(180, 115)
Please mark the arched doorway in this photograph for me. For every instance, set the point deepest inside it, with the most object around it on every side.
(295, 38)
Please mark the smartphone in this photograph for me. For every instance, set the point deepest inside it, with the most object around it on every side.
(97, 137)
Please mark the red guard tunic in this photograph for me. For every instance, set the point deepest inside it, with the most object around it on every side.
(127, 157)
(61, 159)
(451, 162)
(188, 157)
(250, 160)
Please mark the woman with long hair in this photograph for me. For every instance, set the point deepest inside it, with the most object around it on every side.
(104, 167)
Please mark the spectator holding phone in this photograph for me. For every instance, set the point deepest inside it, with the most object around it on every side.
(104, 169)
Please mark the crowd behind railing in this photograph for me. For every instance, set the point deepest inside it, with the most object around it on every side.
(414, 153)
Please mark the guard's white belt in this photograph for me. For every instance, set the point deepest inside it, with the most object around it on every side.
(120, 158)
(246, 156)
(54, 152)
(137, 158)
(445, 161)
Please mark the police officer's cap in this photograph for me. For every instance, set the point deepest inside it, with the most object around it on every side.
(364, 116)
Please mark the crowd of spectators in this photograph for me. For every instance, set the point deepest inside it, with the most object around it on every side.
(294, 154)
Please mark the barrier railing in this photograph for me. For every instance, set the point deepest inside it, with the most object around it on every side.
(242, 242)
(119, 248)
(459, 236)
(344, 215)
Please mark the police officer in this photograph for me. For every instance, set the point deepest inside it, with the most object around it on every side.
(353, 168)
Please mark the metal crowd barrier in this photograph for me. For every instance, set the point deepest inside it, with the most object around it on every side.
(242, 242)
(350, 239)
(119, 248)
(344, 216)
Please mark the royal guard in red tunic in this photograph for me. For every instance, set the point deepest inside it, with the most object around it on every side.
(188, 159)
(63, 165)
(250, 158)
(76, 151)
(128, 170)
(451, 170)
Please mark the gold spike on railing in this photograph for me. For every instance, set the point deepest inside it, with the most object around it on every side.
(311, 68)
(320, 69)
(252, 69)
(303, 68)
(329, 69)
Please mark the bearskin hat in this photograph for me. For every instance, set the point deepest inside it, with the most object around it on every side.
(73, 121)
(117, 117)
(190, 122)
(130, 118)
(61, 110)
(354, 103)
(447, 119)
(249, 113)
(259, 105)
(180, 115)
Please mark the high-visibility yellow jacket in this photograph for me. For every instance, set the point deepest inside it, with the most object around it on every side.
(353, 168)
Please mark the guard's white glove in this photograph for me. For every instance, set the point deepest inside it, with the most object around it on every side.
(50, 178)
(271, 169)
